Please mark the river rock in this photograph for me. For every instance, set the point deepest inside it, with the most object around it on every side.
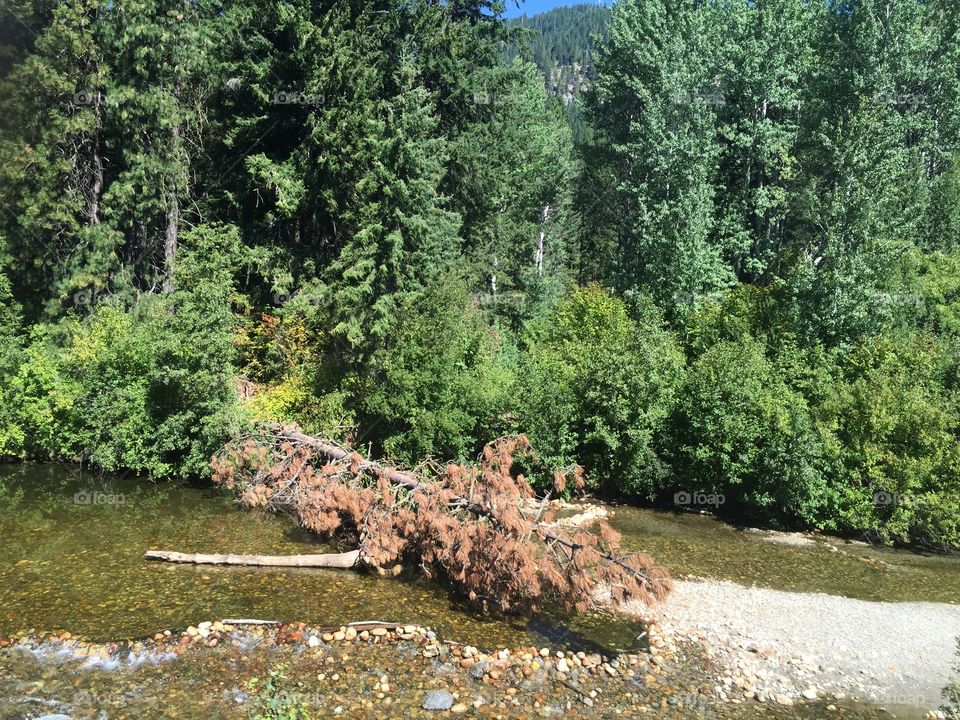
(479, 670)
(437, 700)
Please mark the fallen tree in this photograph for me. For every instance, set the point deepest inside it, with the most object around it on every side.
(468, 522)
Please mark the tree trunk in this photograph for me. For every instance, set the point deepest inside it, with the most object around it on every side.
(414, 482)
(329, 560)
(93, 209)
(173, 222)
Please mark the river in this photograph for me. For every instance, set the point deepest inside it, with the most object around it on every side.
(72, 559)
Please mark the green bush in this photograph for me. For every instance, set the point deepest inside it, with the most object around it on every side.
(437, 385)
(742, 432)
(896, 448)
(147, 388)
(597, 384)
(11, 358)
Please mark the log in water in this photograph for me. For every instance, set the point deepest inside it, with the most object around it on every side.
(326, 560)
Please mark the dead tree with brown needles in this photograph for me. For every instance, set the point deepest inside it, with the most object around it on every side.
(478, 525)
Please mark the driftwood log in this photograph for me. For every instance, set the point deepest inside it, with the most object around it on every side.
(328, 560)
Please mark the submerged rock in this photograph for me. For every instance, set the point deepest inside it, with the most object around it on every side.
(437, 700)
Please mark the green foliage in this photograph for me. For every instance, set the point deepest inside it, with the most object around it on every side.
(11, 358)
(436, 387)
(938, 283)
(126, 388)
(742, 432)
(367, 218)
(896, 440)
(599, 380)
(273, 701)
(562, 44)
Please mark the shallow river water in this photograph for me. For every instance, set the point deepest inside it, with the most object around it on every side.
(72, 559)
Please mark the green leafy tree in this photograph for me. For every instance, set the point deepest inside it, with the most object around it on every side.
(651, 105)
(437, 386)
(896, 446)
(599, 383)
(741, 431)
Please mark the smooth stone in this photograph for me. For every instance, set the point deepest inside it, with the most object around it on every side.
(437, 700)
(479, 670)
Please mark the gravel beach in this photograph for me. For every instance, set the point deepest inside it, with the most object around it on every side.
(779, 646)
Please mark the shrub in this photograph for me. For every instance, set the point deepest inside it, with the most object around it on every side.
(597, 384)
(296, 398)
(897, 440)
(434, 387)
(147, 388)
(11, 358)
(740, 431)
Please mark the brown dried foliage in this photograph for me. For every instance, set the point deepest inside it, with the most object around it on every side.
(473, 524)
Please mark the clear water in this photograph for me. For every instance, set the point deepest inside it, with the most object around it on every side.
(702, 546)
(72, 559)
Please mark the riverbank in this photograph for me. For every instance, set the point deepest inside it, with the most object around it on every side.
(781, 647)
(223, 670)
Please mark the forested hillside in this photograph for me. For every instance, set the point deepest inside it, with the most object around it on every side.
(561, 43)
(362, 217)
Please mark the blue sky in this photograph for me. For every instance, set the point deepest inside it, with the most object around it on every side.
(532, 7)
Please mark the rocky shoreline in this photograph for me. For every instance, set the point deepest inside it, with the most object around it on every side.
(390, 670)
(783, 647)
